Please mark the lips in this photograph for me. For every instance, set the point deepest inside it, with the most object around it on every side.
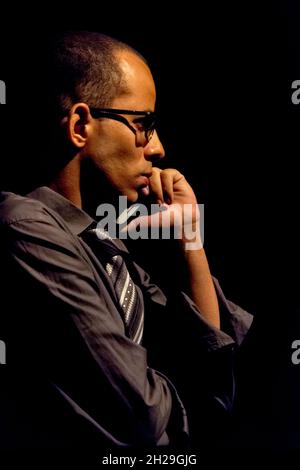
(144, 184)
(144, 181)
(145, 191)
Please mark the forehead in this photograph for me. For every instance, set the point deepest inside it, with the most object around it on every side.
(139, 83)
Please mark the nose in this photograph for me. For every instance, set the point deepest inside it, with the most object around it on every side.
(154, 150)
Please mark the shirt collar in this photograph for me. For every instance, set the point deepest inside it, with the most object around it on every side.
(76, 219)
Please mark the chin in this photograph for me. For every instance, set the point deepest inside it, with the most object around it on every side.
(132, 195)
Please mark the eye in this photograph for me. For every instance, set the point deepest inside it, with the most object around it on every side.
(140, 123)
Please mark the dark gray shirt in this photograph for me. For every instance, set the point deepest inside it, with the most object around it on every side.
(71, 372)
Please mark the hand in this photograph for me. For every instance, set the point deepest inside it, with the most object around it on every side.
(170, 189)
(170, 186)
(178, 206)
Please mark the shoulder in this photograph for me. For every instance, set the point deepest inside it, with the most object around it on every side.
(24, 219)
(15, 208)
(29, 225)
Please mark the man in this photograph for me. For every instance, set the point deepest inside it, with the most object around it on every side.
(86, 364)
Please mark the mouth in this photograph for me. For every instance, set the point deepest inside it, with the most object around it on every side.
(144, 183)
(145, 191)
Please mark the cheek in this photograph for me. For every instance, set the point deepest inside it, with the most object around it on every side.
(122, 170)
(126, 160)
(117, 156)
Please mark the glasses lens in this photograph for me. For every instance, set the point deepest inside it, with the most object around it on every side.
(149, 133)
(149, 124)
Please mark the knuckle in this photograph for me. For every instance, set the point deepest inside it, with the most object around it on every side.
(156, 171)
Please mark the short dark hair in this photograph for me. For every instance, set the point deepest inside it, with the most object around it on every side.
(83, 66)
(62, 68)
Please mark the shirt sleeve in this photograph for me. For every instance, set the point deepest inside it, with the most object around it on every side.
(77, 338)
(197, 357)
(235, 321)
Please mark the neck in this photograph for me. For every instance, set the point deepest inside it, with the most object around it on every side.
(95, 189)
(67, 182)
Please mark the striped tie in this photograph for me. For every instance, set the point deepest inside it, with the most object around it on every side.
(129, 295)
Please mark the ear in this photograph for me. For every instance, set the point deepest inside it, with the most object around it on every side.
(78, 124)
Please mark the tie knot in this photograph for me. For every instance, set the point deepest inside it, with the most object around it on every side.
(99, 233)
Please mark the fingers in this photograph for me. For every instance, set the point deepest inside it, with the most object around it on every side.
(167, 182)
(162, 184)
(155, 185)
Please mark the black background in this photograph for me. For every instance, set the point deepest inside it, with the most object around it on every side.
(223, 95)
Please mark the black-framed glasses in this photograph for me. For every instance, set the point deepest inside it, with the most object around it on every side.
(145, 123)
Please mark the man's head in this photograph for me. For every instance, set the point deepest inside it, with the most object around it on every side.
(83, 66)
(95, 83)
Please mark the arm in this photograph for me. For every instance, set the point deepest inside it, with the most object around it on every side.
(212, 306)
(196, 356)
(200, 283)
(195, 344)
(183, 213)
